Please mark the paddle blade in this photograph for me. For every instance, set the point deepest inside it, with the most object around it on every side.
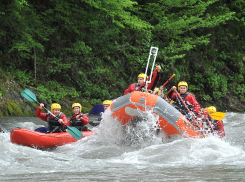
(29, 95)
(74, 132)
(97, 109)
(217, 115)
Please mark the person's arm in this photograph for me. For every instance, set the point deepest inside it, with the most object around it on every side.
(192, 100)
(155, 79)
(161, 92)
(65, 120)
(171, 94)
(129, 89)
(39, 114)
(85, 120)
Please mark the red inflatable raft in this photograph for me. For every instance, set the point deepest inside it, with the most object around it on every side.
(170, 120)
(37, 139)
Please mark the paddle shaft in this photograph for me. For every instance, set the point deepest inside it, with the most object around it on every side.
(209, 123)
(184, 103)
(168, 80)
(166, 83)
(167, 93)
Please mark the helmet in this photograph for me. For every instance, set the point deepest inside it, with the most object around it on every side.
(77, 105)
(156, 89)
(211, 109)
(55, 106)
(182, 83)
(142, 75)
(106, 102)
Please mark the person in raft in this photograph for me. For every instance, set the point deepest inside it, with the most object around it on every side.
(54, 123)
(106, 104)
(189, 99)
(78, 119)
(217, 126)
(140, 84)
(159, 91)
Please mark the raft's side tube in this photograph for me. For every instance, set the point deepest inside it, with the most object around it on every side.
(170, 120)
(26, 137)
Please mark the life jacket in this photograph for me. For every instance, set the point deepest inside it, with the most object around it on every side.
(137, 85)
(206, 127)
(78, 123)
(53, 125)
(180, 106)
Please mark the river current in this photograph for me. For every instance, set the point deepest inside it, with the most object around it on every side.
(117, 153)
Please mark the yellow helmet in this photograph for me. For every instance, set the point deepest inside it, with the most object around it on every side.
(156, 89)
(106, 102)
(77, 105)
(211, 109)
(55, 106)
(142, 75)
(182, 83)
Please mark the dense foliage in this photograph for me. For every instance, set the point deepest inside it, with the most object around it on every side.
(93, 49)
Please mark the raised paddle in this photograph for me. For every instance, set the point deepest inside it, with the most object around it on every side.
(167, 93)
(217, 115)
(166, 83)
(168, 80)
(32, 97)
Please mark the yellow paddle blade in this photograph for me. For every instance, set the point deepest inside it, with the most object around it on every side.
(217, 115)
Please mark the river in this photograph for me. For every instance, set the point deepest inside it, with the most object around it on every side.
(113, 155)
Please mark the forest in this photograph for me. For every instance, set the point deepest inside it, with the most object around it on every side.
(92, 50)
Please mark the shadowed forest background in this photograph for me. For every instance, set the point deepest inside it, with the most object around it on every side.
(91, 50)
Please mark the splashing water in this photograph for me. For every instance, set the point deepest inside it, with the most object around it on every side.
(139, 132)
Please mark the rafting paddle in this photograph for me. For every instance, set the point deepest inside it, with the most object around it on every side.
(32, 97)
(168, 80)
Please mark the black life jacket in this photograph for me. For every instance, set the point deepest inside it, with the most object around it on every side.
(180, 106)
(206, 127)
(78, 123)
(53, 125)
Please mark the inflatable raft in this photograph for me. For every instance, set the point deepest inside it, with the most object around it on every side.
(37, 139)
(134, 105)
